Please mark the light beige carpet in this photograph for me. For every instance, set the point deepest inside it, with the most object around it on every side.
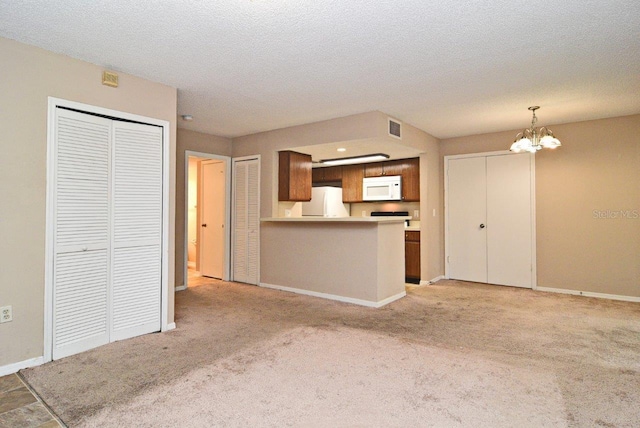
(313, 377)
(453, 354)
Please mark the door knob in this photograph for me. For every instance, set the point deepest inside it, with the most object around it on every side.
(204, 224)
(482, 226)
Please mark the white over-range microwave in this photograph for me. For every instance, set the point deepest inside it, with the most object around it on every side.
(387, 188)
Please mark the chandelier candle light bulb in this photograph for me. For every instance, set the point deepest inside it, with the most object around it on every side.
(533, 139)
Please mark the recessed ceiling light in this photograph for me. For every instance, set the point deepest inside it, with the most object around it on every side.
(342, 149)
(187, 117)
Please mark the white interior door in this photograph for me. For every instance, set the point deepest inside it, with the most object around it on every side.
(107, 231)
(246, 220)
(509, 233)
(81, 232)
(467, 218)
(212, 225)
(489, 219)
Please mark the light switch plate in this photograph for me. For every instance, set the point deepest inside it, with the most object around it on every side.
(416, 213)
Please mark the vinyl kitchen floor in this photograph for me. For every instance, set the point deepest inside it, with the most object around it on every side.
(20, 408)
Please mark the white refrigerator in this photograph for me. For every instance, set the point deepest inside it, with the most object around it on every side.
(325, 202)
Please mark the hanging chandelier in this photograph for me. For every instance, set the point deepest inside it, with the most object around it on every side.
(533, 139)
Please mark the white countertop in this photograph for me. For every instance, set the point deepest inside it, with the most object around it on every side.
(413, 228)
(338, 219)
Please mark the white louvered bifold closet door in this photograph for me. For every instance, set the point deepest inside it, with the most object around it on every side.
(246, 221)
(107, 268)
(137, 229)
(81, 233)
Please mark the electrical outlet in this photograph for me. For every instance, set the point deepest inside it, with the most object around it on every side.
(6, 314)
(434, 212)
(364, 213)
(416, 213)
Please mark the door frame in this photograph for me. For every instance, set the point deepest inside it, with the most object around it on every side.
(227, 212)
(53, 103)
(532, 163)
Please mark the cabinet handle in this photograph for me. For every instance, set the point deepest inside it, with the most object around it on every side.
(204, 225)
(482, 226)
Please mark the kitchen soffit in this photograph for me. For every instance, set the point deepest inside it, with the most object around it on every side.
(356, 148)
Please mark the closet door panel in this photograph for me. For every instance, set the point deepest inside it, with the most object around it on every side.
(467, 210)
(136, 291)
(246, 221)
(240, 226)
(80, 302)
(81, 232)
(137, 229)
(509, 235)
(253, 222)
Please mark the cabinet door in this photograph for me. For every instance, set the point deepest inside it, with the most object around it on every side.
(352, 176)
(395, 167)
(373, 169)
(294, 176)
(412, 259)
(411, 180)
(317, 175)
(332, 173)
(326, 175)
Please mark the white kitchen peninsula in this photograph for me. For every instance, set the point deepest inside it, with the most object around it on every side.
(352, 259)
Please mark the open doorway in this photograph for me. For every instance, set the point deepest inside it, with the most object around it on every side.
(207, 214)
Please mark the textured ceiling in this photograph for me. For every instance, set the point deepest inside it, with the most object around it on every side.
(450, 68)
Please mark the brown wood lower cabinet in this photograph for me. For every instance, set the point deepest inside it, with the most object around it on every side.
(412, 256)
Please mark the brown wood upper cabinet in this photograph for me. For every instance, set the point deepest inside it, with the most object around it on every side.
(378, 169)
(411, 180)
(409, 169)
(352, 176)
(327, 175)
(294, 176)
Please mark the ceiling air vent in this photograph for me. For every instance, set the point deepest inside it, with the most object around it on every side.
(395, 128)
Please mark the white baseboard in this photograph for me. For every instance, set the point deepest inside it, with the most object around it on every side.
(170, 327)
(13, 368)
(432, 281)
(180, 287)
(590, 294)
(360, 302)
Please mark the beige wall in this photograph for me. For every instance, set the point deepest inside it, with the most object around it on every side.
(196, 142)
(431, 227)
(29, 76)
(595, 174)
